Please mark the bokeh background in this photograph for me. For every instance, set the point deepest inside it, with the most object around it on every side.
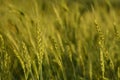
(59, 40)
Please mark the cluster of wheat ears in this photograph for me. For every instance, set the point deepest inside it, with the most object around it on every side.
(59, 40)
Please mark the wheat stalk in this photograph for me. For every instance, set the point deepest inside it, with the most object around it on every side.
(101, 49)
(27, 60)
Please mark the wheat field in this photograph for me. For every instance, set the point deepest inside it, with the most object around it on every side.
(59, 40)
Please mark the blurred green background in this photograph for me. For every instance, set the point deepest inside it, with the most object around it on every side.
(59, 40)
